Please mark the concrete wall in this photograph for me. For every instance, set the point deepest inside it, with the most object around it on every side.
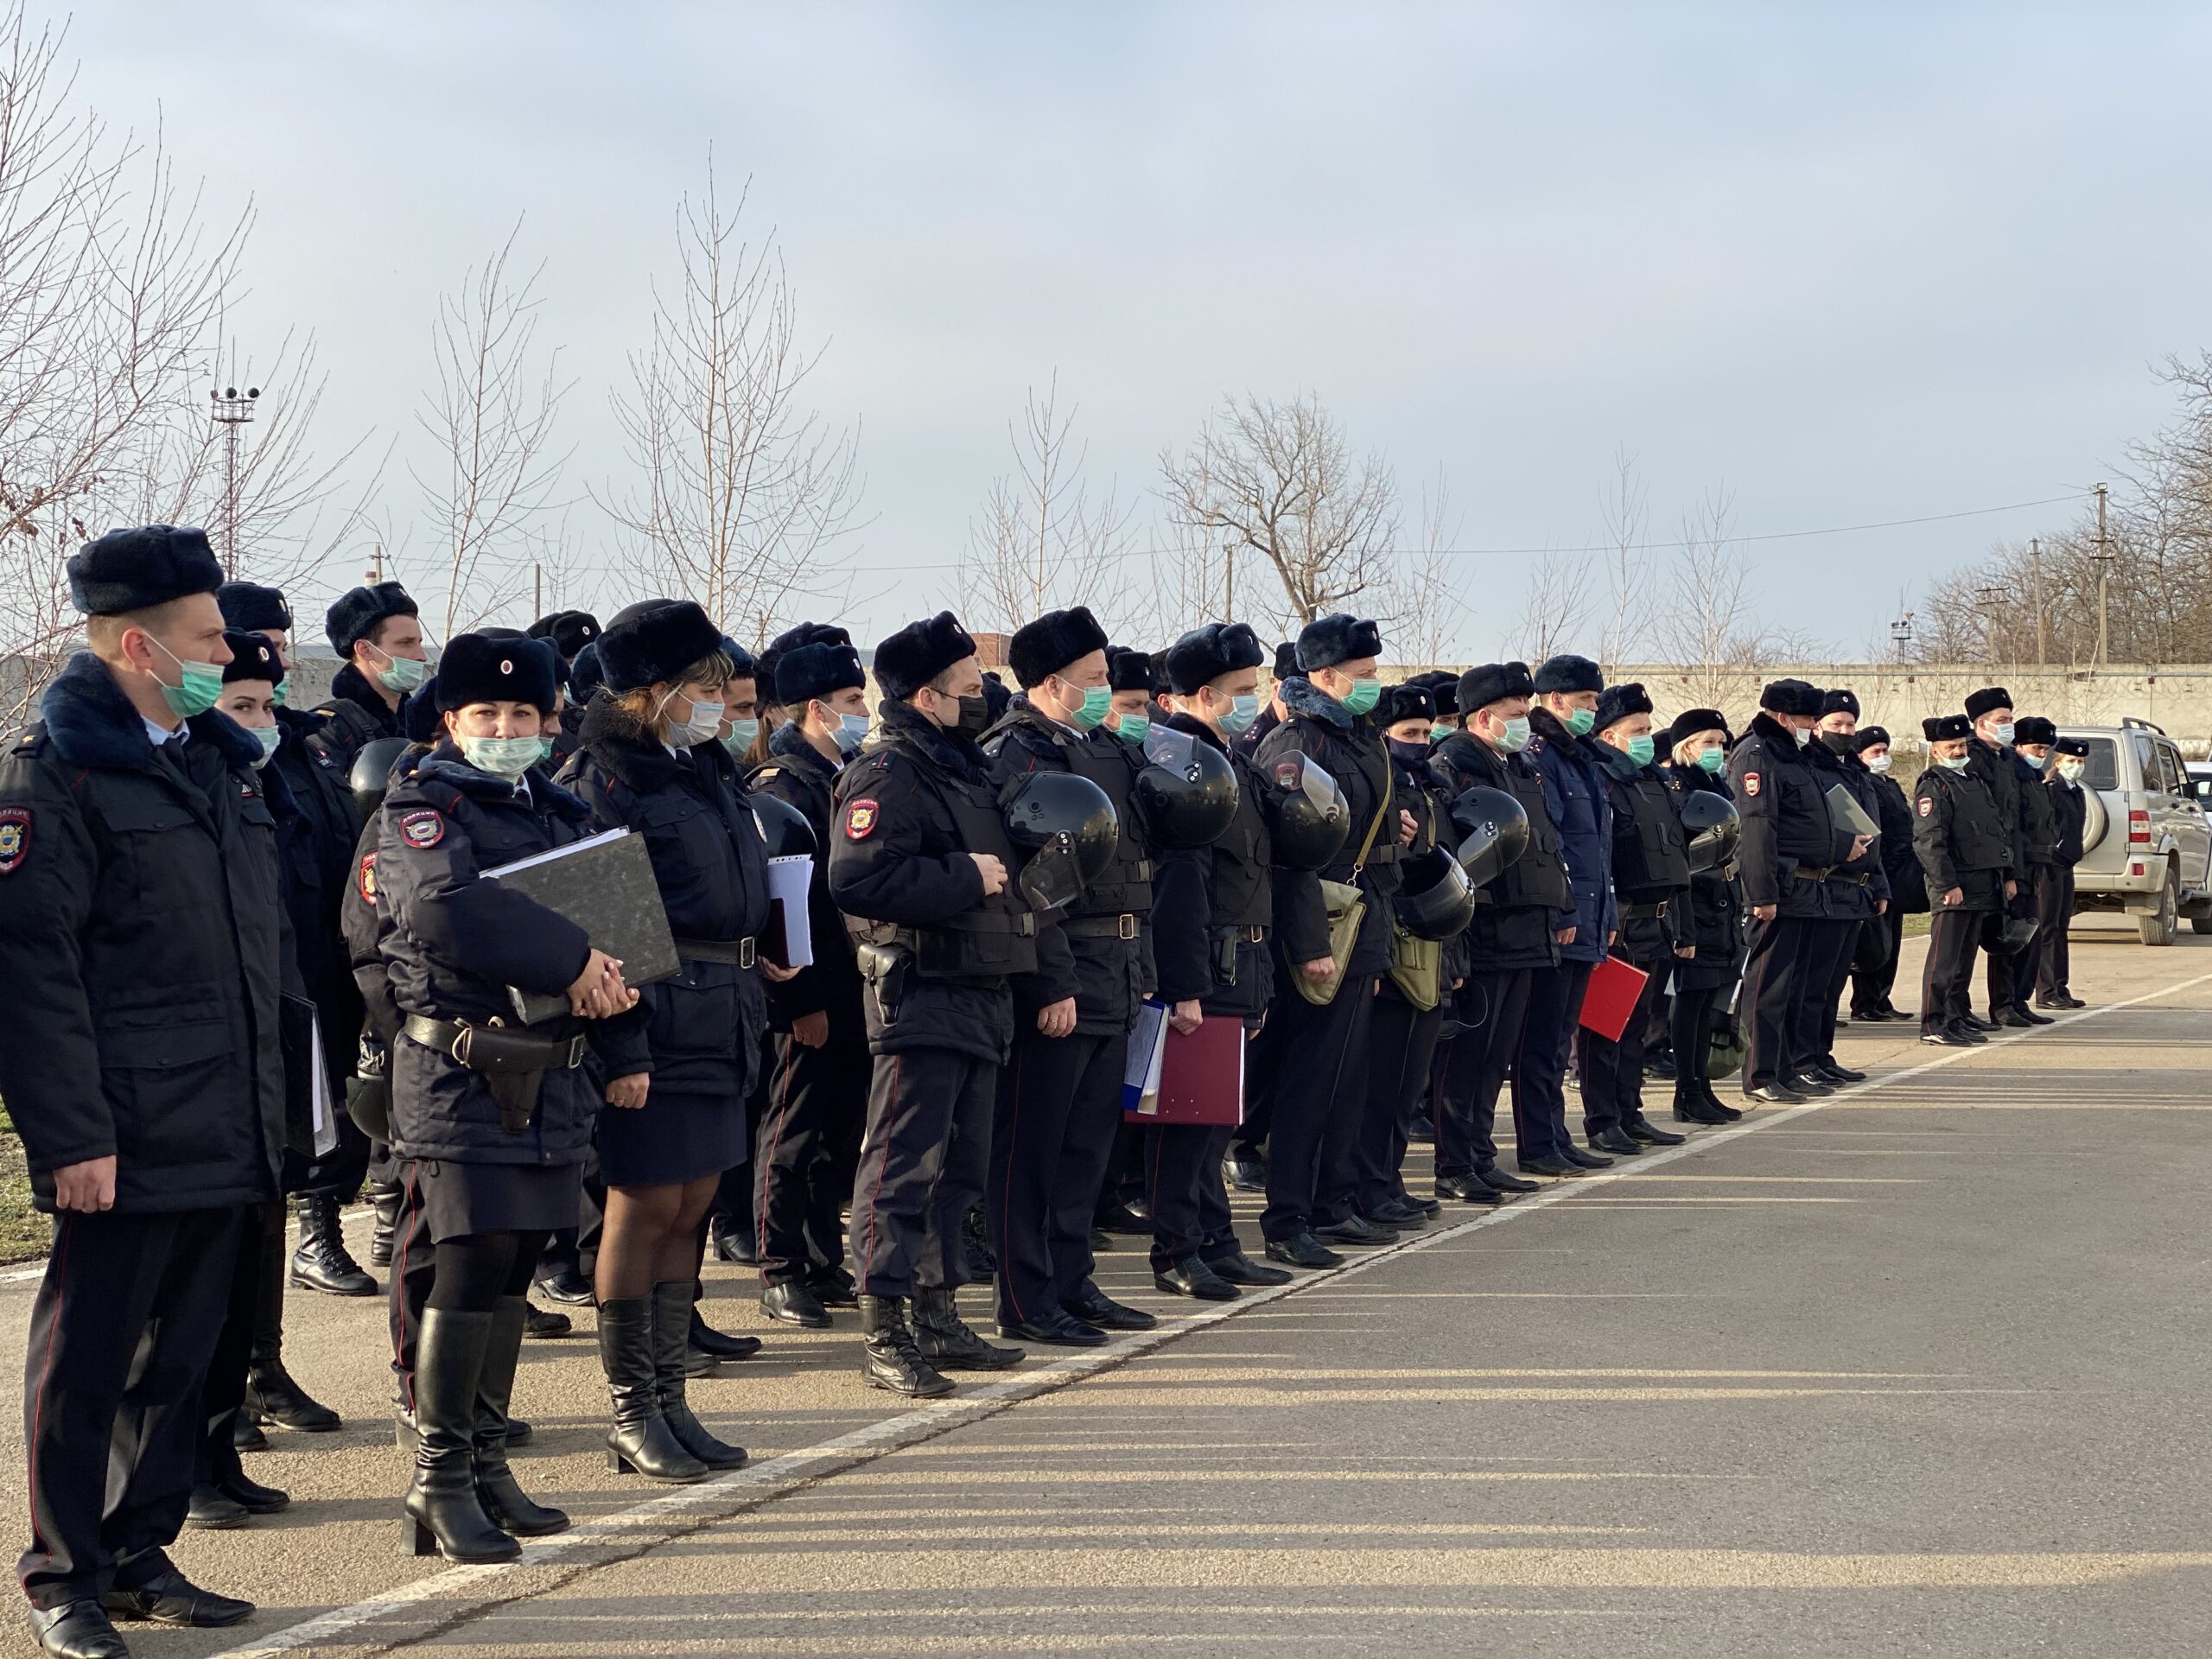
(2177, 696)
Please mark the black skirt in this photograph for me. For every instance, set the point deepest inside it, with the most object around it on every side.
(459, 1200)
(672, 1137)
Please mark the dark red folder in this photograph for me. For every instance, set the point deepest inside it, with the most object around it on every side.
(1201, 1077)
(1614, 987)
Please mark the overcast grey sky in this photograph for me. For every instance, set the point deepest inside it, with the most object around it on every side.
(1855, 263)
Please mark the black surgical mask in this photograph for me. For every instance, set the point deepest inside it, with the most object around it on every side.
(1838, 742)
(1408, 754)
(974, 716)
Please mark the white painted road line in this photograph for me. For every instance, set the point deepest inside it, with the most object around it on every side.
(455, 1594)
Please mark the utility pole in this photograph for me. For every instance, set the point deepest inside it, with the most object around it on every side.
(2104, 578)
(231, 413)
(2035, 564)
(375, 568)
(537, 590)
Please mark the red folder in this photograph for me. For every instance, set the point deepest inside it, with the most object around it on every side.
(1614, 988)
(1201, 1077)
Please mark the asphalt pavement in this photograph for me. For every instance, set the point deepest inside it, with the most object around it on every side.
(1916, 1369)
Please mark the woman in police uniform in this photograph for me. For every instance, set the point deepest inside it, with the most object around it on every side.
(1698, 759)
(649, 760)
(490, 1120)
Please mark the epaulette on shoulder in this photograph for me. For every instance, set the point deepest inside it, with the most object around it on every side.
(30, 739)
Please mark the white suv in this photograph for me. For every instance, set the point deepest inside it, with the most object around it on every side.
(2146, 848)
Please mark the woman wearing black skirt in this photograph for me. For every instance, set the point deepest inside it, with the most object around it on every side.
(1697, 759)
(491, 1120)
(648, 761)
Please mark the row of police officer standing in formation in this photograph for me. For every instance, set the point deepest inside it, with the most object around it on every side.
(1400, 893)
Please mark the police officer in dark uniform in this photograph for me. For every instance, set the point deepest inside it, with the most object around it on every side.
(1697, 745)
(1210, 913)
(648, 761)
(1060, 1097)
(1790, 844)
(1402, 1033)
(378, 629)
(1567, 688)
(1133, 677)
(808, 1144)
(2032, 741)
(570, 633)
(1855, 898)
(491, 1121)
(1320, 1093)
(1874, 967)
(1515, 935)
(1990, 757)
(1651, 882)
(318, 859)
(1964, 838)
(2055, 893)
(922, 868)
(141, 936)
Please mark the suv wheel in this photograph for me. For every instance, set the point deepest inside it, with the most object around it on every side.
(2162, 924)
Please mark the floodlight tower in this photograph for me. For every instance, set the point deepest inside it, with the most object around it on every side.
(231, 412)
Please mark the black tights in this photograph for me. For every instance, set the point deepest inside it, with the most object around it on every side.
(652, 1236)
(475, 1270)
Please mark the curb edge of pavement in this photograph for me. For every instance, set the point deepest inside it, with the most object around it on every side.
(444, 1600)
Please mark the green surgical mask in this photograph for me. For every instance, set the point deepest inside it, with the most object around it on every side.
(503, 757)
(1641, 749)
(1580, 720)
(196, 692)
(1363, 695)
(269, 737)
(1097, 701)
(739, 737)
(1713, 760)
(283, 692)
(1438, 731)
(1515, 737)
(1133, 728)
(402, 673)
(1953, 763)
(544, 750)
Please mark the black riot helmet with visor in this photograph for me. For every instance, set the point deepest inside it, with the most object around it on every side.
(1308, 818)
(1066, 827)
(1186, 794)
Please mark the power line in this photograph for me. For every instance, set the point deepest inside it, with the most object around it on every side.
(1634, 547)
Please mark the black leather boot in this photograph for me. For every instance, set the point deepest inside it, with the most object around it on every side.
(889, 1359)
(672, 1302)
(383, 1203)
(503, 1499)
(944, 1338)
(444, 1513)
(640, 1442)
(320, 1262)
(272, 1394)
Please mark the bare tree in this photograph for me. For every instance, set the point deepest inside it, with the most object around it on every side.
(110, 293)
(1276, 488)
(282, 511)
(1425, 609)
(1704, 621)
(1557, 606)
(1043, 542)
(1627, 573)
(491, 416)
(748, 499)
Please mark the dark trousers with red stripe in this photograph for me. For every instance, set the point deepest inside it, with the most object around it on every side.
(923, 1160)
(1320, 1094)
(1401, 1042)
(414, 1268)
(1059, 1107)
(1186, 1193)
(121, 1336)
(1493, 1008)
(805, 1153)
(1825, 969)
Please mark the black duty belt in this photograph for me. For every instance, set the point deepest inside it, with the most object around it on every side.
(1127, 925)
(1646, 913)
(453, 1039)
(738, 953)
(1256, 934)
(1857, 880)
(1804, 875)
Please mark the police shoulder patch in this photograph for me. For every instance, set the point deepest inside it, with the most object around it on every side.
(15, 838)
(421, 829)
(1751, 782)
(1927, 804)
(365, 879)
(860, 820)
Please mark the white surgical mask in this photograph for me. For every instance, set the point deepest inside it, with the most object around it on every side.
(1804, 734)
(706, 721)
(2039, 762)
(269, 737)
(2002, 733)
(1878, 763)
(503, 757)
(2071, 771)
(851, 733)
